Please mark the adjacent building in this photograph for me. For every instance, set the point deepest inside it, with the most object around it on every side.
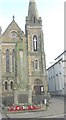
(65, 44)
(0, 73)
(56, 75)
(24, 78)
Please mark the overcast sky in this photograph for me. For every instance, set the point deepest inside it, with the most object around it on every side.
(52, 13)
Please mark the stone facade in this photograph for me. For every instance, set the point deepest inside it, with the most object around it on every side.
(23, 60)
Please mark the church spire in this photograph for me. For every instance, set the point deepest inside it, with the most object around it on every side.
(33, 18)
(32, 0)
(32, 10)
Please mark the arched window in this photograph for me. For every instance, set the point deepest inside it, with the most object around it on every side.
(13, 60)
(7, 61)
(6, 85)
(36, 64)
(11, 85)
(35, 43)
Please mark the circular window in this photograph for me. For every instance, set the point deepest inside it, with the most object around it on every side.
(13, 34)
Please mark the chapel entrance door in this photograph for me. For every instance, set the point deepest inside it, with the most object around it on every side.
(38, 87)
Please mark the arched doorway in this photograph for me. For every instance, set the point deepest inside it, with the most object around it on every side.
(38, 87)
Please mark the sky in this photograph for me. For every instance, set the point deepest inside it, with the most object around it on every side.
(52, 14)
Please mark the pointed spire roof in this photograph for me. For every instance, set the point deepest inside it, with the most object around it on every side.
(32, 10)
(32, 0)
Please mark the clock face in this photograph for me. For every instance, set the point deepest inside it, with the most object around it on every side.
(13, 34)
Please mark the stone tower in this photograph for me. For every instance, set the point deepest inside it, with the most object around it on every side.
(37, 80)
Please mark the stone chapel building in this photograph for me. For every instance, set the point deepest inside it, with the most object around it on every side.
(23, 62)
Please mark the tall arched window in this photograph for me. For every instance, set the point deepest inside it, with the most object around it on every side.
(35, 43)
(36, 64)
(6, 85)
(11, 85)
(13, 60)
(7, 61)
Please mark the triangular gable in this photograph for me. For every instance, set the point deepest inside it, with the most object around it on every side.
(13, 26)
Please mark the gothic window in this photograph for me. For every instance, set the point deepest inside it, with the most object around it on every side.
(7, 60)
(13, 60)
(6, 85)
(36, 64)
(35, 43)
(11, 85)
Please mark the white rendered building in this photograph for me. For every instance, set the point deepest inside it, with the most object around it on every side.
(56, 75)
